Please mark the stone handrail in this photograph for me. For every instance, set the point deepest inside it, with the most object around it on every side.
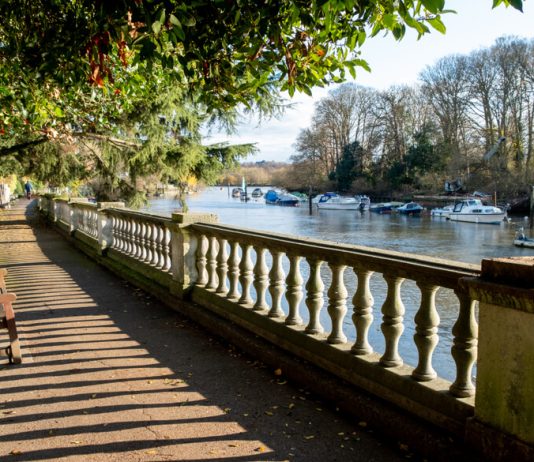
(286, 289)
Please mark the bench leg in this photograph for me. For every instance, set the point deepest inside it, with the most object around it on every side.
(15, 355)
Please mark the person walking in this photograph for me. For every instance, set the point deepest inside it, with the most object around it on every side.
(28, 189)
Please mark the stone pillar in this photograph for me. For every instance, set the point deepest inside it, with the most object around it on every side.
(105, 236)
(53, 210)
(503, 425)
(183, 250)
(75, 212)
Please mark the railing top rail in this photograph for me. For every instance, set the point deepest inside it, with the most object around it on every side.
(152, 217)
(433, 270)
(84, 204)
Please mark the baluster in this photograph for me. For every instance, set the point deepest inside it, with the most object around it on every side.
(261, 279)
(363, 312)
(129, 243)
(314, 297)
(233, 271)
(166, 249)
(222, 267)
(115, 238)
(276, 285)
(120, 235)
(245, 275)
(294, 291)
(136, 238)
(148, 242)
(202, 250)
(122, 228)
(212, 263)
(125, 235)
(392, 326)
(425, 337)
(337, 303)
(154, 245)
(161, 246)
(95, 224)
(143, 241)
(464, 349)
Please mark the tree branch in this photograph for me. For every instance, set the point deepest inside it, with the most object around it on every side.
(21, 146)
(115, 141)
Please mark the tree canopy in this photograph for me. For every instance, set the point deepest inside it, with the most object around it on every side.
(139, 76)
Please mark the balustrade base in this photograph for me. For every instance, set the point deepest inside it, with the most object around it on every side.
(496, 445)
(428, 440)
(428, 400)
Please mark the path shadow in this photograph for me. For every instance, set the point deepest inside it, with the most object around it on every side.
(115, 372)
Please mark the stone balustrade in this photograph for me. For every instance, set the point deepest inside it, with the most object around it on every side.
(315, 299)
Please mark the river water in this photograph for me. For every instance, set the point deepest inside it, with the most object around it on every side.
(424, 235)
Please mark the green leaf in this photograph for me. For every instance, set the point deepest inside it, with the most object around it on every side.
(434, 6)
(438, 25)
(174, 21)
(517, 4)
(156, 27)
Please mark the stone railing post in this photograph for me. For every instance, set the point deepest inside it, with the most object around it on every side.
(503, 424)
(105, 224)
(53, 210)
(75, 212)
(183, 249)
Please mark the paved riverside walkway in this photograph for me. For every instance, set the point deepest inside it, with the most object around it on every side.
(109, 373)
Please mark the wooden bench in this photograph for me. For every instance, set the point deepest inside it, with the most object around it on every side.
(7, 320)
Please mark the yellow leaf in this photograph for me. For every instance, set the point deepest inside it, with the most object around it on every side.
(93, 396)
(362, 424)
(291, 406)
(75, 442)
(309, 437)
(268, 413)
(278, 371)
(151, 451)
(260, 449)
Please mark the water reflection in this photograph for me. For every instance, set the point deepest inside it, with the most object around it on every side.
(466, 242)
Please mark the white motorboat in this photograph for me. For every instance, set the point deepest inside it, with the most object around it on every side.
(473, 211)
(333, 201)
(442, 212)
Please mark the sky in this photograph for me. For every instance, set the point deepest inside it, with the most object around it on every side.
(475, 25)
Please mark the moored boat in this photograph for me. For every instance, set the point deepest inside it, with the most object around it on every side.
(236, 192)
(473, 211)
(443, 212)
(523, 241)
(333, 201)
(364, 201)
(384, 207)
(257, 192)
(283, 199)
(410, 208)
